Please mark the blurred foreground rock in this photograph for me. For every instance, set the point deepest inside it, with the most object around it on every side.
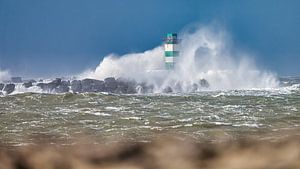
(163, 154)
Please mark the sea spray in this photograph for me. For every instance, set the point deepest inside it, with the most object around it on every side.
(4, 75)
(204, 54)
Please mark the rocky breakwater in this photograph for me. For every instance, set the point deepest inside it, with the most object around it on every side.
(109, 85)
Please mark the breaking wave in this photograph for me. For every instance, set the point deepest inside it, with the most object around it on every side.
(206, 53)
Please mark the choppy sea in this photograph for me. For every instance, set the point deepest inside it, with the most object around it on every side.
(101, 117)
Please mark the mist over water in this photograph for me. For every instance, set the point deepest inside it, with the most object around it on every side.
(4, 75)
(206, 53)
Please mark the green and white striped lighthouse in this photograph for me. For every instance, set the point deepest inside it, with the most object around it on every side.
(171, 50)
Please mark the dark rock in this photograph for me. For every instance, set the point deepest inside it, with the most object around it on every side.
(50, 86)
(1, 86)
(125, 86)
(41, 85)
(168, 89)
(63, 87)
(27, 84)
(121, 87)
(194, 87)
(56, 82)
(110, 84)
(92, 85)
(131, 87)
(68, 83)
(57, 86)
(9, 88)
(16, 80)
(32, 81)
(204, 83)
(76, 86)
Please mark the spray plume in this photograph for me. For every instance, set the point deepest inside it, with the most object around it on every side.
(205, 53)
(4, 75)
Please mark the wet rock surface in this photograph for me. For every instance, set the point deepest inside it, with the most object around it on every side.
(92, 85)
(56, 86)
(9, 88)
(204, 83)
(76, 86)
(1, 86)
(109, 85)
(27, 84)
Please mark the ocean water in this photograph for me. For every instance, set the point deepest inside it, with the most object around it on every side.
(101, 117)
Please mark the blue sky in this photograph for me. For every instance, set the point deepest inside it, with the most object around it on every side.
(60, 37)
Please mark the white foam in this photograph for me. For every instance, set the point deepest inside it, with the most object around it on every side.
(19, 88)
(206, 53)
(113, 108)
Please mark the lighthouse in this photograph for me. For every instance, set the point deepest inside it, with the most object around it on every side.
(171, 51)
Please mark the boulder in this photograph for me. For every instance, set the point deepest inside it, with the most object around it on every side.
(110, 84)
(41, 85)
(57, 86)
(1, 86)
(204, 83)
(55, 83)
(63, 87)
(92, 85)
(9, 88)
(32, 81)
(121, 88)
(168, 89)
(131, 87)
(125, 86)
(194, 87)
(50, 86)
(76, 86)
(27, 84)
